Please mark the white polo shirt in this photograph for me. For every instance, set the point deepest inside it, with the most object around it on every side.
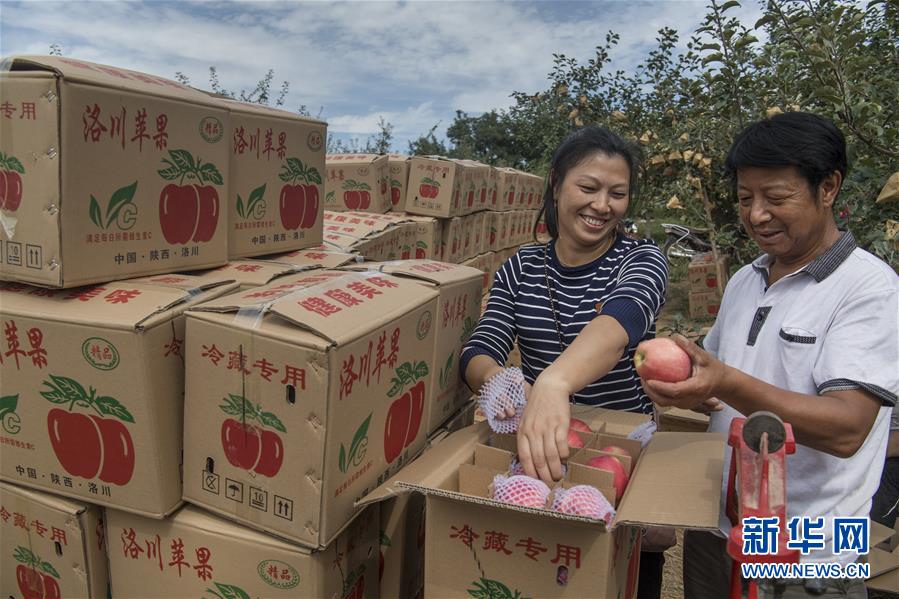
(832, 325)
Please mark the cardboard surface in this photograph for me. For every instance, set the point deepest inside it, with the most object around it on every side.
(277, 165)
(399, 180)
(435, 187)
(265, 269)
(54, 543)
(357, 182)
(122, 174)
(680, 420)
(328, 403)
(196, 554)
(97, 383)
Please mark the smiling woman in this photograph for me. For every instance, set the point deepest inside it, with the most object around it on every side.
(577, 307)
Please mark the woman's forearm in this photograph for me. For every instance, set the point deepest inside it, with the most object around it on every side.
(479, 370)
(592, 355)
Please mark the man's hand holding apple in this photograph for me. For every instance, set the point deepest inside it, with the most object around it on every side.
(708, 380)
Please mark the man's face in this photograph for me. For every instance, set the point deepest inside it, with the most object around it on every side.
(782, 214)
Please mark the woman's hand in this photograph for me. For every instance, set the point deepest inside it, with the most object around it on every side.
(707, 380)
(543, 431)
(509, 411)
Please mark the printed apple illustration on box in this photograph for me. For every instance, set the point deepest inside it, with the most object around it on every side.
(10, 182)
(486, 588)
(251, 446)
(354, 585)
(385, 542)
(188, 212)
(404, 415)
(421, 249)
(356, 196)
(429, 188)
(88, 445)
(35, 577)
(394, 192)
(511, 198)
(469, 199)
(298, 202)
(662, 359)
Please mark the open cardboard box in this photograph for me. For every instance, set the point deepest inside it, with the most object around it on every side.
(474, 542)
(56, 540)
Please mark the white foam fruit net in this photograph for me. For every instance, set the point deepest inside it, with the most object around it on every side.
(643, 433)
(520, 490)
(503, 390)
(583, 500)
(515, 467)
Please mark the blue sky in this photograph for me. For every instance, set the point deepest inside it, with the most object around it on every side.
(413, 62)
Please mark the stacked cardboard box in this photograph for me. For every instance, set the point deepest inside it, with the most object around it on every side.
(707, 280)
(357, 182)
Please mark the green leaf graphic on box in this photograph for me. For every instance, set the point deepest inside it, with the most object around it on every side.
(24, 555)
(492, 589)
(71, 388)
(120, 197)
(396, 388)
(444, 373)
(49, 569)
(420, 371)
(210, 174)
(404, 371)
(171, 173)
(270, 420)
(385, 540)
(240, 211)
(96, 215)
(8, 403)
(236, 405)
(361, 435)
(11, 163)
(255, 197)
(228, 591)
(329, 197)
(183, 160)
(313, 176)
(110, 406)
(341, 459)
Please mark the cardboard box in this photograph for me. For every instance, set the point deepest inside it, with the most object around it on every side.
(508, 188)
(119, 174)
(492, 188)
(399, 180)
(475, 175)
(679, 420)
(56, 545)
(197, 554)
(451, 244)
(357, 182)
(97, 380)
(336, 370)
(707, 275)
(540, 553)
(276, 170)
(421, 233)
(264, 270)
(704, 304)
(883, 559)
(435, 187)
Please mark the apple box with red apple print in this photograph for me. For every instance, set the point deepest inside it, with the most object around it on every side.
(51, 547)
(194, 553)
(91, 388)
(436, 186)
(399, 180)
(108, 174)
(357, 182)
(277, 170)
(309, 391)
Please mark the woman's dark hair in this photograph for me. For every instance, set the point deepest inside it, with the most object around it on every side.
(811, 143)
(577, 147)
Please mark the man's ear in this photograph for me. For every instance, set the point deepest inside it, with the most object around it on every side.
(830, 188)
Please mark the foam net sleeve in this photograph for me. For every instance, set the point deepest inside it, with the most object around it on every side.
(505, 389)
(583, 500)
(520, 490)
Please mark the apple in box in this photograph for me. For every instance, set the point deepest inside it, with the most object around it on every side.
(610, 464)
(574, 439)
(661, 359)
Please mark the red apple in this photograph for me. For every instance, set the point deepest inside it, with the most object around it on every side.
(610, 464)
(661, 359)
(619, 451)
(574, 440)
(579, 425)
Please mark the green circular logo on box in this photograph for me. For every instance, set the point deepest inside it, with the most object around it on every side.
(278, 574)
(100, 353)
(211, 129)
(424, 325)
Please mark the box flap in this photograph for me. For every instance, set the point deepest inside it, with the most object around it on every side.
(615, 422)
(677, 482)
(268, 293)
(439, 273)
(268, 111)
(435, 466)
(119, 304)
(53, 502)
(107, 76)
(216, 526)
(321, 258)
(357, 158)
(883, 560)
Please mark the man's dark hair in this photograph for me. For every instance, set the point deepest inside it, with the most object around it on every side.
(811, 143)
(577, 147)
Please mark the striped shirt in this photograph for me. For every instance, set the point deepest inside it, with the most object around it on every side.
(629, 282)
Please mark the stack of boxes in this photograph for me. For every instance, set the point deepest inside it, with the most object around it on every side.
(185, 298)
(707, 280)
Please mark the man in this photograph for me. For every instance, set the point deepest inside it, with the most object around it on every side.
(807, 331)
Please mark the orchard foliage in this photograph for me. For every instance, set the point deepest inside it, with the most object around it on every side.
(683, 109)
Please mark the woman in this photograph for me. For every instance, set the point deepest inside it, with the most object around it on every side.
(578, 306)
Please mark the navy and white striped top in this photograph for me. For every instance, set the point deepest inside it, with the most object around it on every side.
(629, 282)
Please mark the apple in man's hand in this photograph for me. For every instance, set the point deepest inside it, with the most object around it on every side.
(662, 359)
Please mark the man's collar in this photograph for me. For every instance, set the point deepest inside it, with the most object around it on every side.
(821, 267)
